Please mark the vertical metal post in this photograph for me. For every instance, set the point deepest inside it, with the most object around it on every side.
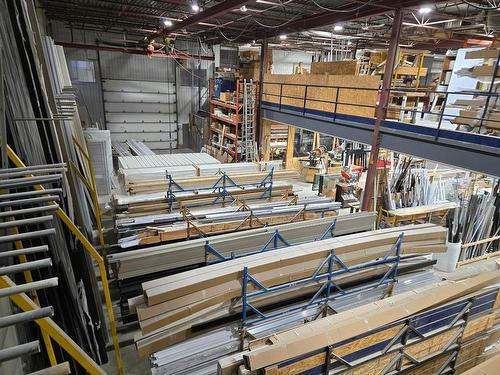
(281, 93)
(336, 103)
(263, 62)
(244, 294)
(305, 100)
(382, 107)
(490, 91)
(3, 123)
(441, 115)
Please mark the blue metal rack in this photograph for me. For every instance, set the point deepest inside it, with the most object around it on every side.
(221, 187)
(271, 244)
(330, 289)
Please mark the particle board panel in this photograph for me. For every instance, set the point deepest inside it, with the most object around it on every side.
(322, 98)
(348, 67)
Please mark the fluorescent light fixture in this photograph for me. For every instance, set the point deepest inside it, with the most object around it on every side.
(425, 10)
(243, 8)
(349, 43)
(167, 22)
(338, 28)
(195, 7)
(283, 36)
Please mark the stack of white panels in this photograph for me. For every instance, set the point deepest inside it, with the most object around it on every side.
(165, 160)
(229, 168)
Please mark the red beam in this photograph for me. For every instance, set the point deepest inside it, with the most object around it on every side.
(133, 51)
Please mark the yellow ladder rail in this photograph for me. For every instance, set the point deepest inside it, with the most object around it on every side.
(94, 253)
(53, 330)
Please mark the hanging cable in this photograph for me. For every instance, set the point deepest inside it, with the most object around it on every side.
(341, 10)
(277, 26)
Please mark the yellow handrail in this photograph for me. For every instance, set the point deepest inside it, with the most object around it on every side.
(93, 252)
(53, 330)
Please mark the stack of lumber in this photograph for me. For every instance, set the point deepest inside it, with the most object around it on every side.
(147, 183)
(451, 317)
(294, 90)
(156, 203)
(174, 304)
(237, 220)
(229, 168)
(149, 260)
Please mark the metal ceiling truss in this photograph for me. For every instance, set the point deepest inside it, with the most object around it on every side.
(368, 22)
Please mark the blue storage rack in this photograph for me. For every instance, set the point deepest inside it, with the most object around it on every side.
(221, 186)
(271, 244)
(330, 289)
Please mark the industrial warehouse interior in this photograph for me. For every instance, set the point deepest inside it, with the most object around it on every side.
(266, 187)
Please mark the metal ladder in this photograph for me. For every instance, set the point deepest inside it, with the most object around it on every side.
(248, 136)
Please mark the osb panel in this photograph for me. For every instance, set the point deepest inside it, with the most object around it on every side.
(349, 67)
(294, 91)
(372, 367)
(429, 367)
(471, 350)
(478, 325)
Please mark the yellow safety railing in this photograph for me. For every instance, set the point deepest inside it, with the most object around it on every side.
(94, 254)
(53, 330)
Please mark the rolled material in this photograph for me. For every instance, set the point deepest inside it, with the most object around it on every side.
(27, 316)
(31, 220)
(19, 350)
(27, 266)
(60, 369)
(35, 285)
(27, 235)
(28, 250)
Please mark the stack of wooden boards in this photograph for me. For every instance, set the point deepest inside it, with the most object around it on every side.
(430, 329)
(174, 304)
(165, 257)
(474, 107)
(150, 185)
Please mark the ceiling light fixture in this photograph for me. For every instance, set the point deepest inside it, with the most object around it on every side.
(425, 10)
(167, 22)
(243, 8)
(338, 28)
(283, 36)
(195, 7)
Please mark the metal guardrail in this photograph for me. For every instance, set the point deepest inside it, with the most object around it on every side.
(306, 100)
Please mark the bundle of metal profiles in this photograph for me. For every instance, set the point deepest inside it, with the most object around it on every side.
(123, 225)
(139, 148)
(234, 219)
(432, 329)
(170, 160)
(149, 260)
(176, 304)
(200, 355)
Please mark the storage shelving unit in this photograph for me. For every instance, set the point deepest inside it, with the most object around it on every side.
(227, 120)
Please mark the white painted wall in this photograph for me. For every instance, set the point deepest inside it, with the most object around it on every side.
(284, 61)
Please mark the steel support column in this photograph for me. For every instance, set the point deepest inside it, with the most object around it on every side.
(263, 60)
(382, 107)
